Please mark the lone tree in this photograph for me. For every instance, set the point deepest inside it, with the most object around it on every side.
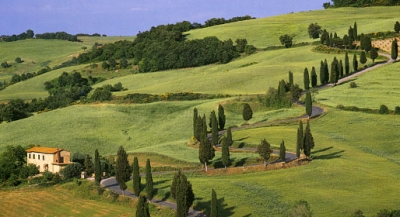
(182, 192)
(286, 40)
(397, 27)
(221, 117)
(142, 209)
(395, 49)
(265, 151)
(214, 204)
(346, 64)
(214, 128)
(122, 169)
(282, 151)
(306, 79)
(308, 140)
(314, 78)
(149, 180)
(136, 176)
(247, 112)
(314, 30)
(308, 102)
(97, 167)
(373, 54)
(363, 57)
(355, 63)
(225, 158)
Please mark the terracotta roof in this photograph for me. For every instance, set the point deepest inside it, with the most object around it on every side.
(45, 150)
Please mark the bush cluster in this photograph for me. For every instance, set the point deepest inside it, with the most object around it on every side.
(183, 96)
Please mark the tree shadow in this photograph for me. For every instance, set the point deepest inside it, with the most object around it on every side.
(223, 209)
(217, 163)
(160, 182)
(322, 150)
(329, 156)
(241, 139)
(239, 163)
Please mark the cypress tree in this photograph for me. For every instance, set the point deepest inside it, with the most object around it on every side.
(328, 40)
(300, 136)
(395, 49)
(184, 196)
(225, 158)
(229, 139)
(367, 43)
(142, 209)
(326, 72)
(206, 150)
(214, 129)
(136, 176)
(298, 143)
(351, 36)
(88, 165)
(397, 27)
(346, 41)
(341, 73)
(362, 41)
(149, 180)
(331, 41)
(346, 64)
(195, 116)
(308, 140)
(308, 104)
(122, 169)
(334, 71)
(265, 151)
(291, 78)
(355, 63)
(221, 117)
(199, 128)
(306, 79)
(247, 112)
(175, 183)
(97, 167)
(322, 73)
(214, 204)
(363, 57)
(373, 54)
(282, 151)
(314, 78)
(355, 33)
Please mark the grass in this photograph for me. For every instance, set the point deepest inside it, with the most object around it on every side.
(375, 88)
(265, 32)
(90, 41)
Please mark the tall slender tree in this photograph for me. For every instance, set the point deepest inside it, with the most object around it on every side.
(397, 27)
(214, 128)
(88, 165)
(334, 71)
(355, 33)
(195, 116)
(300, 135)
(97, 167)
(214, 204)
(314, 78)
(298, 143)
(362, 41)
(308, 140)
(136, 176)
(291, 82)
(326, 72)
(395, 49)
(346, 64)
(373, 54)
(346, 41)
(355, 63)
(122, 168)
(229, 139)
(149, 180)
(265, 151)
(225, 158)
(206, 150)
(322, 73)
(184, 196)
(341, 71)
(142, 209)
(351, 36)
(367, 43)
(221, 117)
(308, 102)
(306, 79)
(282, 151)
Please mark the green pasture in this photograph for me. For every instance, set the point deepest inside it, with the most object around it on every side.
(265, 32)
(377, 87)
(355, 167)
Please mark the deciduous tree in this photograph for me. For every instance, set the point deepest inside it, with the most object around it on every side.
(286, 40)
(136, 176)
(314, 30)
(265, 151)
(149, 180)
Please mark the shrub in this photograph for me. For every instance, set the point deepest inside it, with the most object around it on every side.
(102, 94)
(18, 60)
(71, 171)
(353, 84)
(397, 110)
(383, 109)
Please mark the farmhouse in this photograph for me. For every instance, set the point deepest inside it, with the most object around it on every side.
(50, 159)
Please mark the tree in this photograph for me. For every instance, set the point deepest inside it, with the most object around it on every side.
(282, 151)
(225, 158)
(355, 63)
(363, 57)
(149, 180)
(395, 49)
(383, 109)
(122, 169)
(346, 64)
(300, 135)
(308, 102)
(97, 167)
(142, 209)
(397, 27)
(247, 112)
(314, 30)
(326, 71)
(298, 144)
(18, 60)
(124, 63)
(367, 43)
(355, 33)
(88, 165)
(265, 151)
(306, 79)
(206, 150)
(229, 140)
(291, 82)
(221, 117)
(195, 131)
(314, 77)
(240, 45)
(214, 129)
(136, 176)
(308, 140)
(341, 74)
(181, 188)
(351, 36)
(373, 54)
(71, 171)
(286, 40)
(334, 71)
(29, 33)
(214, 204)
(322, 73)
(362, 41)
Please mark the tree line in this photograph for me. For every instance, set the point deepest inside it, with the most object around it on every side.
(361, 3)
(29, 34)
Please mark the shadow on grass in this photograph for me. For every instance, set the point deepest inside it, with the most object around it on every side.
(328, 156)
(239, 163)
(223, 209)
(322, 150)
(160, 182)
(241, 139)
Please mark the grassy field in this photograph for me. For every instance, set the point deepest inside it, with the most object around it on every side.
(375, 88)
(266, 31)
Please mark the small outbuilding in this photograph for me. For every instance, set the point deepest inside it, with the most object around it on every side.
(48, 159)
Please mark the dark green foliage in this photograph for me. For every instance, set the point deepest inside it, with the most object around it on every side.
(397, 110)
(18, 60)
(367, 43)
(183, 193)
(291, 82)
(181, 96)
(89, 167)
(346, 64)
(225, 158)
(122, 168)
(383, 109)
(97, 167)
(102, 94)
(308, 140)
(300, 136)
(12, 162)
(214, 128)
(298, 143)
(326, 71)
(221, 117)
(124, 63)
(282, 151)
(334, 71)
(397, 27)
(29, 170)
(149, 180)
(286, 40)
(265, 151)
(373, 54)
(195, 132)
(229, 140)
(314, 78)
(322, 73)
(363, 57)
(142, 209)
(278, 98)
(355, 32)
(295, 93)
(395, 49)
(136, 176)
(15, 109)
(308, 102)
(71, 171)
(175, 183)
(306, 79)
(362, 3)
(358, 213)
(249, 49)
(5, 65)
(351, 36)
(355, 63)
(206, 150)
(314, 30)
(341, 70)
(214, 204)
(362, 41)
(324, 36)
(240, 44)
(247, 112)
(353, 84)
